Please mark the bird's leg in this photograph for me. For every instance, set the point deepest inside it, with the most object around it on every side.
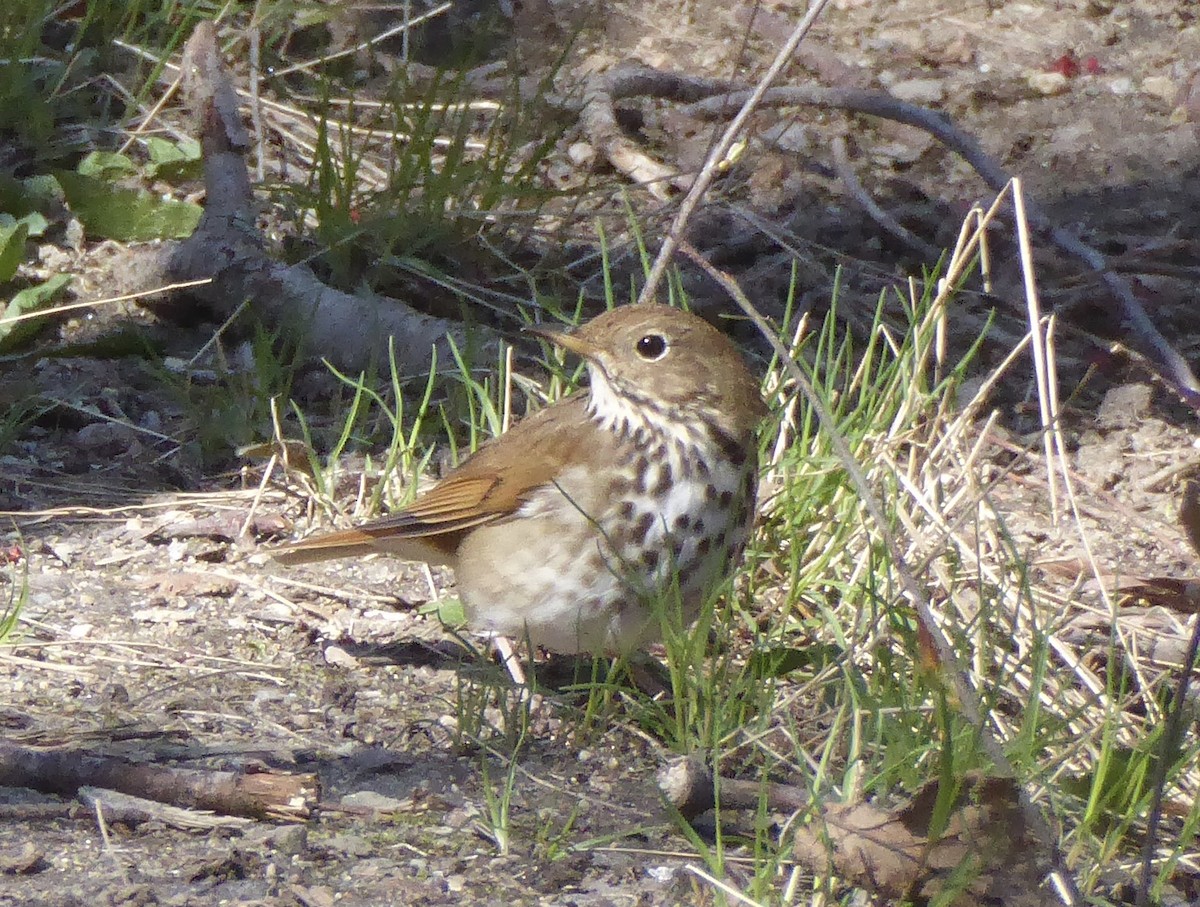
(509, 658)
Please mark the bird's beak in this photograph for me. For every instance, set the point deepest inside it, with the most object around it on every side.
(570, 342)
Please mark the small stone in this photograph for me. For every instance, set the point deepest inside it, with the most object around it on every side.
(581, 154)
(339, 657)
(1048, 83)
(286, 839)
(30, 860)
(373, 800)
(1160, 87)
(349, 845)
(662, 874)
(164, 615)
(920, 91)
(105, 435)
(1125, 406)
(1121, 86)
(791, 137)
(64, 552)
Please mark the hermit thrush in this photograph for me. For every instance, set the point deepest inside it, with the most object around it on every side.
(568, 528)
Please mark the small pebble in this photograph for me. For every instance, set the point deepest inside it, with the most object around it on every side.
(581, 154)
(339, 657)
(920, 91)
(1160, 87)
(1048, 83)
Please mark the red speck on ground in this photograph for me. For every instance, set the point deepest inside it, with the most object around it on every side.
(1067, 64)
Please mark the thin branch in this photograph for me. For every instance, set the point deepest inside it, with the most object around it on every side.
(719, 152)
(1172, 365)
(845, 171)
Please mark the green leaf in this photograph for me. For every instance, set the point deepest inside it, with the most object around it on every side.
(449, 611)
(33, 299)
(12, 246)
(173, 160)
(35, 223)
(42, 190)
(779, 661)
(21, 197)
(126, 215)
(106, 165)
(163, 152)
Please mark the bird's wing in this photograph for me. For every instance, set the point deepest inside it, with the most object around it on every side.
(490, 485)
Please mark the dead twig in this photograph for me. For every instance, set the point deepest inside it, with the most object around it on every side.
(845, 171)
(1170, 363)
(354, 332)
(256, 794)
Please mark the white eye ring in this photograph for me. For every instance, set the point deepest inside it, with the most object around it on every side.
(652, 347)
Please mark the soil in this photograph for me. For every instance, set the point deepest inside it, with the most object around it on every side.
(158, 628)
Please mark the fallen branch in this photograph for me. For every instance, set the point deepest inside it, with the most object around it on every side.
(598, 121)
(273, 795)
(717, 99)
(689, 785)
(353, 332)
(113, 806)
(1170, 362)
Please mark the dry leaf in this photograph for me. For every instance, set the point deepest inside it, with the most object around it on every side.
(985, 856)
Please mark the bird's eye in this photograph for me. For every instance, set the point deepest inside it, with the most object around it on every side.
(652, 347)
